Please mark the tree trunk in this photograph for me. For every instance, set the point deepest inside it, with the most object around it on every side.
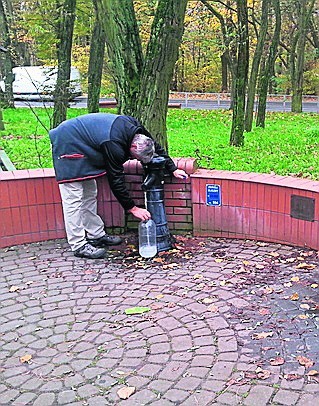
(238, 122)
(269, 66)
(97, 49)
(6, 97)
(160, 58)
(299, 57)
(124, 50)
(64, 34)
(1, 121)
(142, 84)
(224, 73)
(230, 44)
(315, 37)
(251, 91)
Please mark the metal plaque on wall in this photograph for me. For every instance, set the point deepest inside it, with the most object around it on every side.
(302, 208)
(213, 195)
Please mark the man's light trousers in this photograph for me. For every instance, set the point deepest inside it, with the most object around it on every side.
(80, 212)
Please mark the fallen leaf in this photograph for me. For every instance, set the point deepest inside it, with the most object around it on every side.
(239, 381)
(294, 296)
(264, 312)
(304, 265)
(303, 316)
(290, 259)
(305, 306)
(219, 260)
(250, 375)
(178, 247)
(295, 279)
(313, 372)
(306, 362)
(121, 372)
(246, 262)
(155, 306)
(260, 336)
(89, 271)
(14, 289)
(160, 296)
(198, 276)
(208, 300)
(292, 377)
(276, 361)
(268, 290)
(314, 285)
(160, 260)
(126, 392)
(262, 373)
(212, 308)
(137, 310)
(25, 358)
(240, 270)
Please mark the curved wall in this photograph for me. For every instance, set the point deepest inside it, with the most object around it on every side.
(257, 206)
(31, 210)
(253, 206)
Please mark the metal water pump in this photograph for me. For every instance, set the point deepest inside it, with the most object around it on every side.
(153, 187)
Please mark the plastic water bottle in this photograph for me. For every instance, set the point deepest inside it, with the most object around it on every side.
(147, 239)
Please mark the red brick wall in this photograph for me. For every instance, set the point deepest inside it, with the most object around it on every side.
(30, 205)
(255, 206)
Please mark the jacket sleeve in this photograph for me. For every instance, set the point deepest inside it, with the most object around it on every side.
(116, 178)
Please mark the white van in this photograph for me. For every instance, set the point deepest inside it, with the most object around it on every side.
(38, 82)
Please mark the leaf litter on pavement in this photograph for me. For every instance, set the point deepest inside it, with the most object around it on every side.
(264, 279)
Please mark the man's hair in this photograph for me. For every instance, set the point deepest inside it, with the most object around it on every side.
(142, 148)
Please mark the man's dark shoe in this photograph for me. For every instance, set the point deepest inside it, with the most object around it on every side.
(88, 251)
(106, 240)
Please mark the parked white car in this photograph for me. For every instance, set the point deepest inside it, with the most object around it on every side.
(38, 82)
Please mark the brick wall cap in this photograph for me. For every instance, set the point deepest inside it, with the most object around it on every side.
(27, 174)
(253, 177)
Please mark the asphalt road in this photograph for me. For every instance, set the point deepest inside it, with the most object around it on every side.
(81, 102)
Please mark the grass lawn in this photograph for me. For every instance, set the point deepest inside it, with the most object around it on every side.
(289, 145)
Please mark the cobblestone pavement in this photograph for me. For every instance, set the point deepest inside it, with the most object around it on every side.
(227, 322)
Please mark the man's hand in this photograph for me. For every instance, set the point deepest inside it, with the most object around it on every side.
(179, 173)
(141, 214)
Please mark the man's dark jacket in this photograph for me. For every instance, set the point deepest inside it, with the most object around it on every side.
(96, 144)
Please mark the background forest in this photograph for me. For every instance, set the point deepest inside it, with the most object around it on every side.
(139, 51)
(202, 62)
(248, 48)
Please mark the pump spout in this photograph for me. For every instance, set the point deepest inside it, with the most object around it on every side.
(149, 181)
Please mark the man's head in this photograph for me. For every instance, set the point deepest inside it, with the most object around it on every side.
(142, 148)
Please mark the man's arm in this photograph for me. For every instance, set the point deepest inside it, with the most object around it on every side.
(116, 178)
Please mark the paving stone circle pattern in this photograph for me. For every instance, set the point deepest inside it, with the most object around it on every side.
(228, 322)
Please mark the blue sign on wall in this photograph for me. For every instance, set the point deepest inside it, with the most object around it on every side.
(213, 195)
